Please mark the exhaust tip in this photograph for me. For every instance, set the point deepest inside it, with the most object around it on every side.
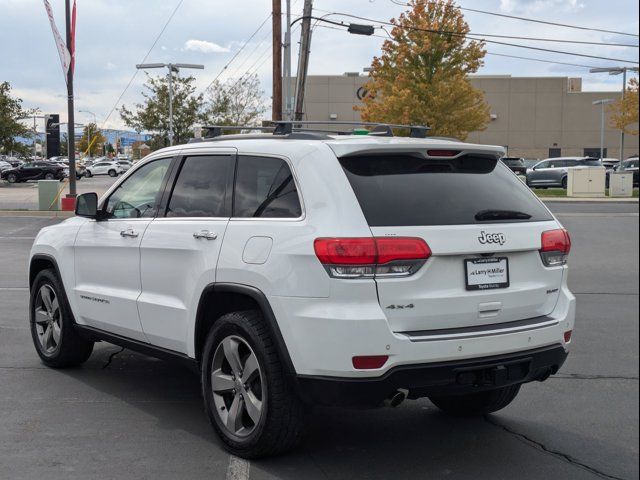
(396, 398)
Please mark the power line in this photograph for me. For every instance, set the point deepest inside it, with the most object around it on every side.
(533, 20)
(115, 105)
(488, 53)
(239, 51)
(464, 35)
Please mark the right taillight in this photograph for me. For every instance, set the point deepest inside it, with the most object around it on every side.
(368, 257)
(556, 245)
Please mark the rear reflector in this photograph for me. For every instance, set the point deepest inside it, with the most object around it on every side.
(371, 362)
(366, 257)
(556, 245)
(567, 336)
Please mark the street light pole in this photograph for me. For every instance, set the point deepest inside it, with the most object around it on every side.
(173, 68)
(602, 103)
(618, 71)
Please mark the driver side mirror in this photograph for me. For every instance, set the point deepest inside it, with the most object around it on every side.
(87, 206)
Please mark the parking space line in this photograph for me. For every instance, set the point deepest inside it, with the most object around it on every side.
(11, 289)
(238, 469)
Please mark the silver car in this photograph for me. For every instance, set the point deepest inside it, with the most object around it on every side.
(554, 172)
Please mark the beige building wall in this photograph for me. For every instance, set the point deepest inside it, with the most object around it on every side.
(530, 115)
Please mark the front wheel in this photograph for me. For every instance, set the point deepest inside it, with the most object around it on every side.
(12, 178)
(247, 396)
(113, 173)
(474, 404)
(52, 326)
(89, 174)
(565, 183)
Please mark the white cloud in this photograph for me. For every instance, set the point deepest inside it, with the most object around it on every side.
(529, 6)
(203, 46)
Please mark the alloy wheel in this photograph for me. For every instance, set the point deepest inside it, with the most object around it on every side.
(48, 321)
(237, 383)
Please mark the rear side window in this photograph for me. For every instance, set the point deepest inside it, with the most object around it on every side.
(201, 187)
(265, 188)
(405, 190)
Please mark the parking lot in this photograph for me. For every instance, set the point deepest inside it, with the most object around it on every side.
(123, 415)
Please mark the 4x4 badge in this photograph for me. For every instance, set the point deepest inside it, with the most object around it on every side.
(485, 238)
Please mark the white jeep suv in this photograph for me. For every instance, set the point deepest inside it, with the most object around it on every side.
(305, 268)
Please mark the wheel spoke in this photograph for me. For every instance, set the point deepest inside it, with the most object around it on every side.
(253, 406)
(46, 337)
(55, 332)
(54, 306)
(221, 383)
(41, 316)
(232, 355)
(250, 369)
(45, 294)
(234, 417)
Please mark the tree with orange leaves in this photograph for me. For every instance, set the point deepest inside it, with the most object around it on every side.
(624, 112)
(421, 76)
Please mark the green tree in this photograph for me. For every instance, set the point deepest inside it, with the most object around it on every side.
(153, 114)
(11, 112)
(235, 102)
(97, 140)
(421, 76)
(64, 145)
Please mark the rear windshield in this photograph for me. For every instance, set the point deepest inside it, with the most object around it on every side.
(514, 162)
(592, 162)
(406, 190)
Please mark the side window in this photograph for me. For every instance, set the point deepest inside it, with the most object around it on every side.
(571, 163)
(201, 187)
(543, 165)
(265, 188)
(137, 196)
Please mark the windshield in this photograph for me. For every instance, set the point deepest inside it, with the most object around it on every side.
(408, 190)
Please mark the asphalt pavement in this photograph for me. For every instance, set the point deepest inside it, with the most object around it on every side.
(124, 415)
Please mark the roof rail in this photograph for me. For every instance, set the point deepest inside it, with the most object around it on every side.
(286, 127)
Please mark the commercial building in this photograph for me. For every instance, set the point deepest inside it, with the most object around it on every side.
(533, 117)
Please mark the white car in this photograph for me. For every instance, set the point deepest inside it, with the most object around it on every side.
(125, 164)
(304, 268)
(111, 168)
(5, 165)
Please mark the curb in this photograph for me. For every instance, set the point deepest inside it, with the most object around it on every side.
(588, 200)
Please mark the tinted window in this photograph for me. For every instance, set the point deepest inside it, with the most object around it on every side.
(404, 190)
(138, 195)
(514, 162)
(571, 163)
(201, 187)
(265, 188)
(543, 165)
(592, 162)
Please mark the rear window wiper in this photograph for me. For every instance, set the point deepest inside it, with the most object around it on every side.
(486, 215)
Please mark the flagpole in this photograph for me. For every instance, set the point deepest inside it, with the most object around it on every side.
(70, 114)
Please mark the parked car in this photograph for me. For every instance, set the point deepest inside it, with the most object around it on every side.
(34, 171)
(5, 165)
(111, 168)
(358, 270)
(125, 164)
(630, 165)
(553, 172)
(516, 165)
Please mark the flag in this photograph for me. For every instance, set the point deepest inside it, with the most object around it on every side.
(65, 56)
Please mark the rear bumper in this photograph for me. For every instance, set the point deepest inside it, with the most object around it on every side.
(444, 378)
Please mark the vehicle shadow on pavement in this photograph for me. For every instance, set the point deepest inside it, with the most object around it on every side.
(414, 440)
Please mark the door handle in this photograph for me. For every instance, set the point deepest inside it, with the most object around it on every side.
(206, 234)
(128, 233)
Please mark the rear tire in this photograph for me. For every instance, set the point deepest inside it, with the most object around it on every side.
(565, 183)
(113, 173)
(49, 176)
(272, 403)
(89, 174)
(475, 404)
(12, 178)
(52, 326)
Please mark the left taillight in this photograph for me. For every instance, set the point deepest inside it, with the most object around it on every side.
(368, 257)
(556, 245)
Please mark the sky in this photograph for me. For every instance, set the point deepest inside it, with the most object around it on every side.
(114, 35)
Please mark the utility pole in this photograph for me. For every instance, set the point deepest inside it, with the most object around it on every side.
(624, 93)
(70, 115)
(288, 105)
(303, 58)
(276, 99)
